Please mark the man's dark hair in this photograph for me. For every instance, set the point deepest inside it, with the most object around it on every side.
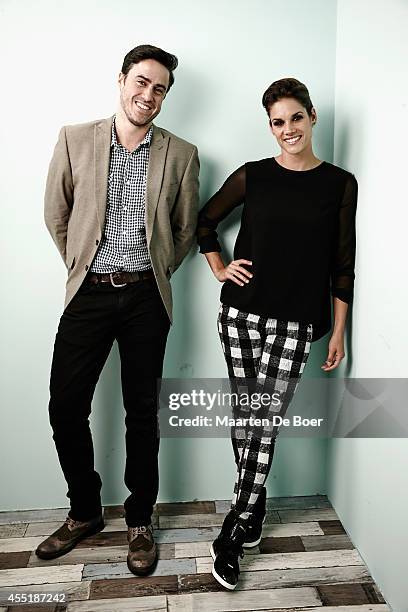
(287, 88)
(144, 52)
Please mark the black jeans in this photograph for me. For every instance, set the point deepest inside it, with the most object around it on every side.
(135, 316)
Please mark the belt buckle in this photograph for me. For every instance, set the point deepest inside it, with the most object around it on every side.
(112, 281)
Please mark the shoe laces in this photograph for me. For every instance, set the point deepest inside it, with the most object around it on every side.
(71, 523)
(237, 534)
(135, 531)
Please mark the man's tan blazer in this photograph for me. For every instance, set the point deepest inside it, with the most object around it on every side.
(76, 197)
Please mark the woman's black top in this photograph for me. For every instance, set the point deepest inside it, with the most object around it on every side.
(298, 229)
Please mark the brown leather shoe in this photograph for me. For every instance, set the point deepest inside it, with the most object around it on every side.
(67, 537)
(142, 555)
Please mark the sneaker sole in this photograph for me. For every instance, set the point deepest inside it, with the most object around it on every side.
(252, 544)
(48, 556)
(222, 582)
(218, 578)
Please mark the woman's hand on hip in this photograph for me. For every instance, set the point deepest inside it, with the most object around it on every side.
(235, 272)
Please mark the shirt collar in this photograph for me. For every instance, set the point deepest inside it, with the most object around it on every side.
(145, 142)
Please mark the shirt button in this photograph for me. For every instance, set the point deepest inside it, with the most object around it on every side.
(124, 207)
(124, 256)
(127, 182)
(86, 267)
(124, 232)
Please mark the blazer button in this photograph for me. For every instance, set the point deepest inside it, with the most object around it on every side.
(86, 267)
(97, 242)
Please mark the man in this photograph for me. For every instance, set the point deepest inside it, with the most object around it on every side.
(121, 205)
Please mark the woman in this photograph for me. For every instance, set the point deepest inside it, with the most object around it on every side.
(295, 247)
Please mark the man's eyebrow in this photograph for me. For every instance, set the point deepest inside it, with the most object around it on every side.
(141, 76)
(294, 115)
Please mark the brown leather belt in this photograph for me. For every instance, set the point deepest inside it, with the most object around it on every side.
(119, 279)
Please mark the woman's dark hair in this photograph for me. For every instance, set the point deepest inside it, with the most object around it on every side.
(144, 52)
(287, 88)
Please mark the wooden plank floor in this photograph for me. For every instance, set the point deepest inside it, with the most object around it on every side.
(305, 561)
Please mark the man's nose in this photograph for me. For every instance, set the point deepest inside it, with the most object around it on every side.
(147, 94)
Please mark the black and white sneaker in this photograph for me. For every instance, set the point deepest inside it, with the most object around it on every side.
(226, 551)
(227, 526)
(254, 528)
(254, 533)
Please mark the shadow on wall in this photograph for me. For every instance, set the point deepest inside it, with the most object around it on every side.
(343, 153)
(182, 356)
(179, 115)
(108, 430)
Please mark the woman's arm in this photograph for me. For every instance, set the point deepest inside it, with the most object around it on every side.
(218, 207)
(342, 275)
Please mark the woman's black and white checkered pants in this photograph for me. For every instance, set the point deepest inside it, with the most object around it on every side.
(264, 356)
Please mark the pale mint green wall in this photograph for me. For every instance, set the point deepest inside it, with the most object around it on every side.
(367, 482)
(229, 53)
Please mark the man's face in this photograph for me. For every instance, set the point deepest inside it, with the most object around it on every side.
(142, 91)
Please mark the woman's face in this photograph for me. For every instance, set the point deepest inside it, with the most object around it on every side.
(291, 125)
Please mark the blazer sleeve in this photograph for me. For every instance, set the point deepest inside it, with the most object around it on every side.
(59, 191)
(342, 273)
(184, 214)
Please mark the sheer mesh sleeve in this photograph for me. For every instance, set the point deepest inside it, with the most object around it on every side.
(342, 274)
(228, 197)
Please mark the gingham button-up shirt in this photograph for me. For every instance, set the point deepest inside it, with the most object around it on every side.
(123, 245)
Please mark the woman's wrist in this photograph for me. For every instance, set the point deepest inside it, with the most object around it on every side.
(218, 267)
(338, 329)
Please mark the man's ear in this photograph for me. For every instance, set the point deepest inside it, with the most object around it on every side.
(121, 79)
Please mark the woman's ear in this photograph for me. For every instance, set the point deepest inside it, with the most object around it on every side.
(313, 115)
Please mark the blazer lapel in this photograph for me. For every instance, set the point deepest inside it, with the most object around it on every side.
(157, 160)
(102, 144)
